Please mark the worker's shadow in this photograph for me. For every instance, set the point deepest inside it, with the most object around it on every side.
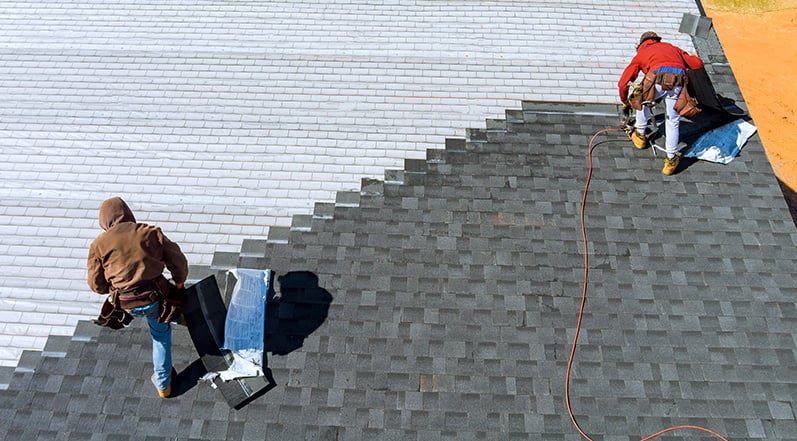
(296, 312)
(187, 378)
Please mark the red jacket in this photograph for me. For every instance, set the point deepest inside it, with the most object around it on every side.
(652, 55)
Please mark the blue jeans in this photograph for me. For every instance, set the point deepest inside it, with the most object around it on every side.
(161, 344)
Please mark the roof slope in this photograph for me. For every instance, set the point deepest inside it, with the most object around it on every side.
(456, 286)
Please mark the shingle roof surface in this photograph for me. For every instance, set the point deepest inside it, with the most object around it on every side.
(456, 284)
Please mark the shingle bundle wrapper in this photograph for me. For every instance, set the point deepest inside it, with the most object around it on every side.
(244, 326)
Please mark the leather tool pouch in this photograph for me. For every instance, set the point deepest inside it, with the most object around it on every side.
(644, 92)
(669, 80)
(686, 105)
(112, 315)
(172, 303)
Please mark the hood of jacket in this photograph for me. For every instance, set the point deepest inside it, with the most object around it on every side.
(114, 211)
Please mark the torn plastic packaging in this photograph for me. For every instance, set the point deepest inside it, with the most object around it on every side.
(244, 327)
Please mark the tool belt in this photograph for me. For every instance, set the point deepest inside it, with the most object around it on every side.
(669, 80)
(644, 93)
(170, 298)
(144, 293)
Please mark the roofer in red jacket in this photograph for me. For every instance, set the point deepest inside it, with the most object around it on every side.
(664, 66)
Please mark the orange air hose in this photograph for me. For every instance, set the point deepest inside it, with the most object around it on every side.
(581, 313)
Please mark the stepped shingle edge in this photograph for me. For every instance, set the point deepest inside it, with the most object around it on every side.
(412, 173)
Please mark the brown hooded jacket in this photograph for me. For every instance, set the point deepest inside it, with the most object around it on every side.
(129, 253)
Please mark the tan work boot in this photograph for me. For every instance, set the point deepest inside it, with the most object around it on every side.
(639, 139)
(164, 393)
(670, 164)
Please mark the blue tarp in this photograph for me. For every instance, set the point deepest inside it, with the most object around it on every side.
(723, 143)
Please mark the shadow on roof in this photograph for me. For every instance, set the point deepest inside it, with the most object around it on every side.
(791, 199)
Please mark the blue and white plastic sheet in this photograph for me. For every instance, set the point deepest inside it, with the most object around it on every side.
(723, 143)
(244, 327)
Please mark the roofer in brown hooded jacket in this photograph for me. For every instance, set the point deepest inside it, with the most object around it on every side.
(664, 66)
(127, 261)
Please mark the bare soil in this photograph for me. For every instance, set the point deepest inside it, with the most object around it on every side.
(761, 45)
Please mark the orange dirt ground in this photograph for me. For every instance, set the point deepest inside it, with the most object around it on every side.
(762, 49)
